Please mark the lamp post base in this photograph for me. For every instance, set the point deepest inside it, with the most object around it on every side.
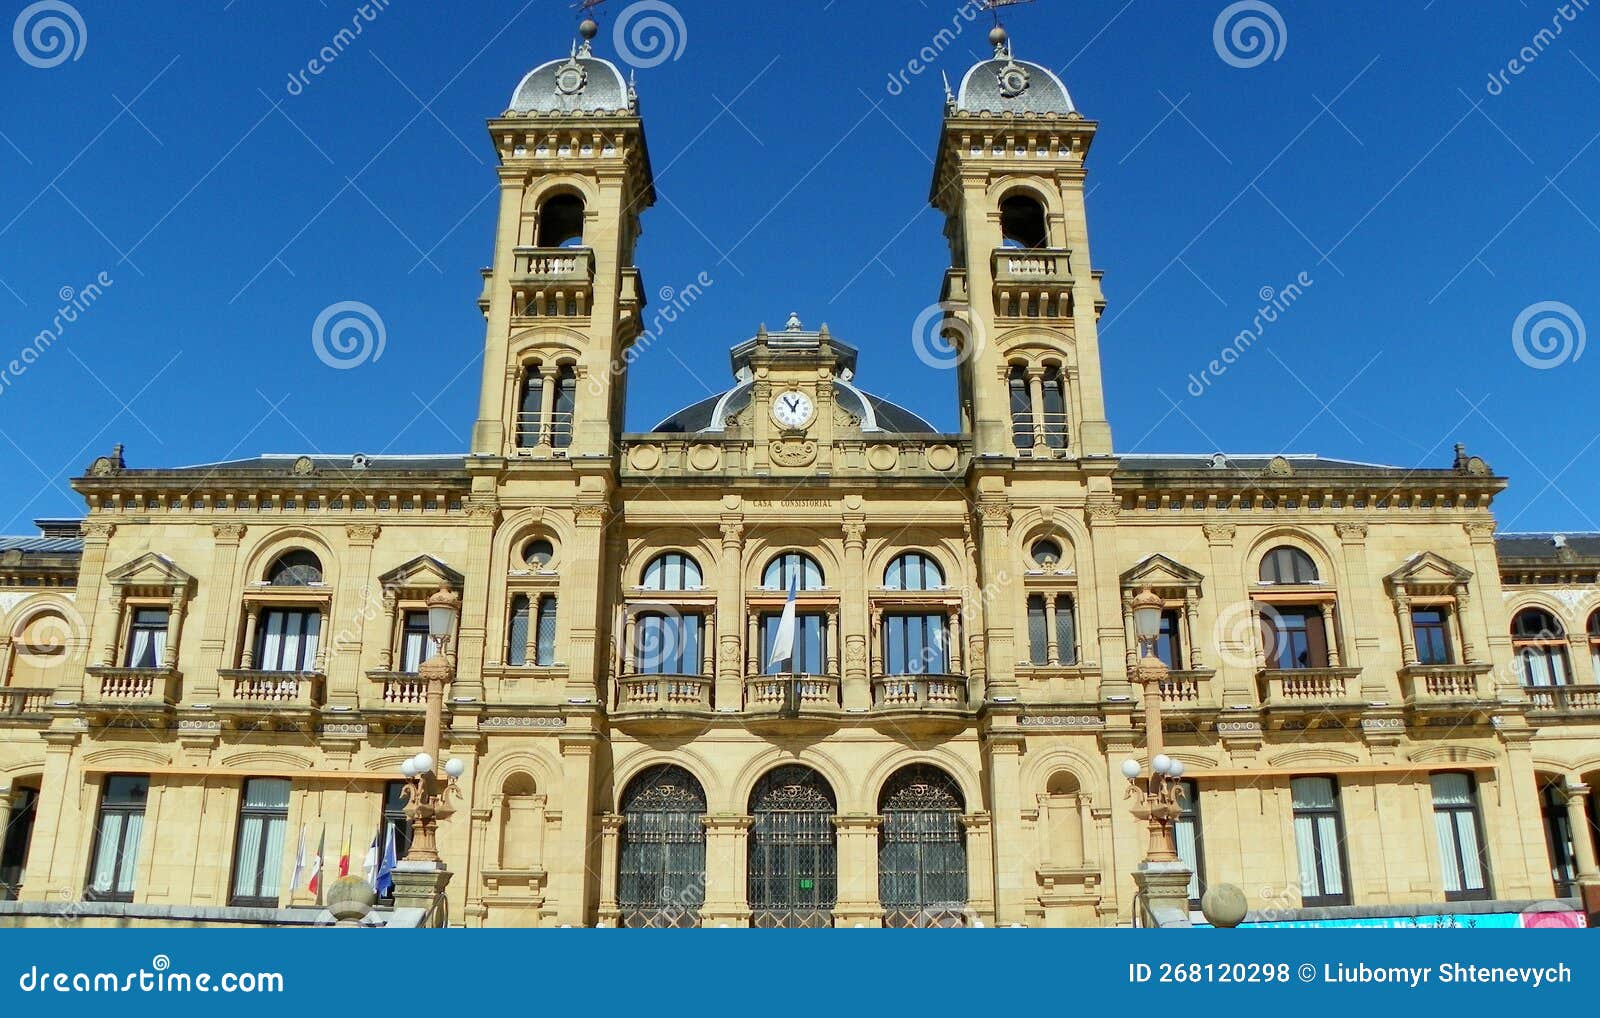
(421, 885)
(1163, 893)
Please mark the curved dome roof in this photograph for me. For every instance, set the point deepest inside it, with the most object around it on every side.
(875, 413)
(582, 83)
(1007, 85)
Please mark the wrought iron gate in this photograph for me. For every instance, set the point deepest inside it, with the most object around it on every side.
(794, 861)
(661, 879)
(922, 852)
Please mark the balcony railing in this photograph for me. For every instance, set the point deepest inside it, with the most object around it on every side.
(1565, 699)
(401, 690)
(899, 692)
(273, 690)
(551, 281)
(532, 432)
(131, 687)
(767, 694)
(640, 694)
(1436, 685)
(1293, 688)
(1033, 282)
(1183, 689)
(20, 702)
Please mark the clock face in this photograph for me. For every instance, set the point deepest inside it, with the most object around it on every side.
(793, 409)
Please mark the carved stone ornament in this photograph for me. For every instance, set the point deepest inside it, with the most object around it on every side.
(227, 531)
(1279, 467)
(1480, 528)
(1013, 79)
(105, 466)
(1221, 533)
(303, 467)
(1351, 531)
(1104, 509)
(794, 453)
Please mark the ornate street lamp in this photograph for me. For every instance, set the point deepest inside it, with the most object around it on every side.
(1156, 796)
(426, 795)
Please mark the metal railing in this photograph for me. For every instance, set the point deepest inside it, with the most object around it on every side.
(532, 431)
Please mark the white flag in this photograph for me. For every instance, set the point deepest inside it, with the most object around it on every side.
(299, 861)
(783, 639)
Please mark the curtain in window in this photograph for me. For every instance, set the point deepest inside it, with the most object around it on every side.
(1183, 832)
(140, 654)
(546, 650)
(415, 646)
(1316, 830)
(106, 851)
(1455, 824)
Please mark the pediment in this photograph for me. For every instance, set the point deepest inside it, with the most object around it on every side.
(1428, 570)
(150, 570)
(1158, 571)
(422, 572)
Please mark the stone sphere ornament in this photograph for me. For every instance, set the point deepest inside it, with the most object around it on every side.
(350, 899)
(1224, 906)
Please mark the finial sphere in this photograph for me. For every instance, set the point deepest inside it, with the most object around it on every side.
(588, 28)
(997, 35)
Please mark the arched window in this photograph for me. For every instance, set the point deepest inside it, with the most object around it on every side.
(1287, 564)
(1052, 629)
(1022, 222)
(530, 409)
(801, 568)
(661, 862)
(1054, 411)
(545, 411)
(793, 861)
(39, 649)
(913, 571)
(672, 571)
(298, 568)
(538, 553)
(566, 405)
(561, 222)
(922, 849)
(1539, 643)
(1021, 407)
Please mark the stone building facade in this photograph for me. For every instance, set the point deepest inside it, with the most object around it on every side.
(1377, 702)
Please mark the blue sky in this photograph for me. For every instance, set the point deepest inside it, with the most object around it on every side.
(1429, 209)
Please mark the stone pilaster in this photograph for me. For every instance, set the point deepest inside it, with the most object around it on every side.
(727, 865)
(857, 904)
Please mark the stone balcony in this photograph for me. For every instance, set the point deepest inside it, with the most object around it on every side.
(556, 282)
(931, 695)
(116, 690)
(1309, 692)
(1445, 687)
(399, 691)
(265, 698)
(1188, 690)
(663, 702)
(1032, 282)
(20, 705)
(1548, 703)
(796, 696)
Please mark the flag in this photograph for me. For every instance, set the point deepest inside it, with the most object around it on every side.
(369, 865)
(783, 639)
(344, 857)
(314, 885)
(385, 884)
(299, 861)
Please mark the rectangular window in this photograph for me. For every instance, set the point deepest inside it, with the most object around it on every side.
(1294, 637)
(1455, 821)
(415, 645)
(915, 645)
(810, 646)
(517, 633)
(1066, 630)
(545, 647)
(1021, 410)
(1558, 839)
(1038, 631)
(395, 819)
(258, 859)
(667, 644)
(286, 640)
(1319, 842)
(1542, 664)
(1186, 832)
(147, 638)
(118, 825)
(1169, 644)
(1431, 628)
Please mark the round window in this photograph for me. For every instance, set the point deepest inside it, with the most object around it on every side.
(1045, 553)
(538, 553)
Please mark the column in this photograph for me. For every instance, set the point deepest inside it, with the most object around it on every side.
(857, 629)
(119, 611)
(221, 603)
(55, 864)
(610, 849)
(708, 642)
(391, 632)
(630, 625)
(1191, 630)
(1330, 629)
(980, 865)
(727, 864)
(957, 659)
(1052, 654)
(247, 654)
(547, 404)
(752, 645)
(91, 570)
(175, 615)
(877, 642)
(1036, 398)
(831, 640)
(1011, 858)
(730, 608)
(353, 605)
(483, 510)
(530, 646)
(1469, 651)
(996, 551)
(1582, 838)
(5, 658)
(1402, 618)
(858, 903)
(1238, 677)
(584, 681)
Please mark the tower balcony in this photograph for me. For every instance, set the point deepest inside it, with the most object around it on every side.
(1032, 282)
(547, 282)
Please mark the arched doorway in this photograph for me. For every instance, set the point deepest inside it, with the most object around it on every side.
(794, 858)
(661, 878)
(922, 849)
